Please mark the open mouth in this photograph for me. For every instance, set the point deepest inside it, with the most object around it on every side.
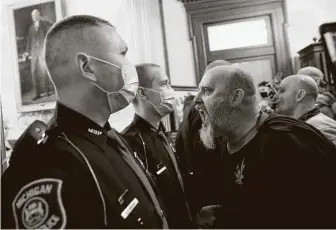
(203, 114)
(276, 106)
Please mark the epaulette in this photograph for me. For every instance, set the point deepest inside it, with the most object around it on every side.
(29, 140)
(37, 131)
(34, 134)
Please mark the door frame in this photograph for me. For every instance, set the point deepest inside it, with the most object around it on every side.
(197, 15)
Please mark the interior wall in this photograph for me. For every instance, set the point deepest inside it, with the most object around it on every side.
(138, 23)
(304, 18)
(180, 52)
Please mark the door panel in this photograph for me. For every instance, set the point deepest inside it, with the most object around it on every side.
(241, 31)
(261, 69)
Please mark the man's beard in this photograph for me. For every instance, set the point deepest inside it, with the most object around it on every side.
(207, 137)
(219, 123)
(223, 119)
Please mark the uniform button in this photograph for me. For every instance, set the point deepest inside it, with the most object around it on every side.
(191, 173)
(37, 130)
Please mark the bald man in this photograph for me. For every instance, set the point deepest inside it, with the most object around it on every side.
(80, 173)
(297, 98)
(312, 72)
(279, 166)
(34, 48)
(201, 168)
(146, 135)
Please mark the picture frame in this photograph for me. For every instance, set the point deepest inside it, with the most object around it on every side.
(29, 22)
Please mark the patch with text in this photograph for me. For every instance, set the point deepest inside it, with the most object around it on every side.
(39, 205)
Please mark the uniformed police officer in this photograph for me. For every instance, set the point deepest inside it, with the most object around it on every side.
(79, 174)
(146, 136)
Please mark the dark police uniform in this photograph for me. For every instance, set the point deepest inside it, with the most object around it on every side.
(155, 154)
(79, 176)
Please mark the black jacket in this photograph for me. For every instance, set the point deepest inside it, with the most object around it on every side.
(81, 177)
(157, 156)
(283, 178)
(202, 169)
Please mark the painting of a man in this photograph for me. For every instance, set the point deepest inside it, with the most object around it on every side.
(34, 50)
(30, 24)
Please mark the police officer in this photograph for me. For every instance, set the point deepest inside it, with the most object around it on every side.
(80, 174)
(146, 135)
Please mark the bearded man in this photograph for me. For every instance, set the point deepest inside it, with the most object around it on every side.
(280, 168)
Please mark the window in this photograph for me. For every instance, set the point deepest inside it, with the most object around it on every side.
(224, 36)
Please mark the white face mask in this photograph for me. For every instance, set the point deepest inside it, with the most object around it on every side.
(122, 98)
(163, 101)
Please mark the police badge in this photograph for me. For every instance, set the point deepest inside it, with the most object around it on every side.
(38, 205)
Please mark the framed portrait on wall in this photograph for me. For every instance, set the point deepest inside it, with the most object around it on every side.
(29, 22)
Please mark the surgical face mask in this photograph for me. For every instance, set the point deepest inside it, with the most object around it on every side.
(163, 101)
(122, 98)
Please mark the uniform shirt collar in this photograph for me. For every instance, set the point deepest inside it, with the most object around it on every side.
(71, 121)
(145, 125)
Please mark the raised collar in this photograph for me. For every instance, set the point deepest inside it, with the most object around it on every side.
(70, 121)
(144, 125)
(310, 114)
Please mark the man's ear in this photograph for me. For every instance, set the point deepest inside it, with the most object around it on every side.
(83, 62)
(237, 97)
(301, 94)
(141, 93)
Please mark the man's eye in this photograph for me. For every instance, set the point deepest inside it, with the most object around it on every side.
(207, 92)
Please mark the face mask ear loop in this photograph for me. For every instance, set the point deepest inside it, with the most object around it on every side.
(149, 100)
(106, 62)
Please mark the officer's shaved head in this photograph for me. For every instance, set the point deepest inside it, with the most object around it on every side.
(85, 57)
(145, 74)
(69, 36)
(216, 63)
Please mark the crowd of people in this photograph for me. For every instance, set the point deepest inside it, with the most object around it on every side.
(237, 162)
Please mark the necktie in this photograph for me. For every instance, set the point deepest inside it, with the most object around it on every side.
(125, 153)
(172, 156)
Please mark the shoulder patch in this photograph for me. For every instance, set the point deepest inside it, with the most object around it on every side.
(39, 205)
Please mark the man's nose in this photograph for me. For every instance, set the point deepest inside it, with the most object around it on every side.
(198, 101)
(275, 97)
